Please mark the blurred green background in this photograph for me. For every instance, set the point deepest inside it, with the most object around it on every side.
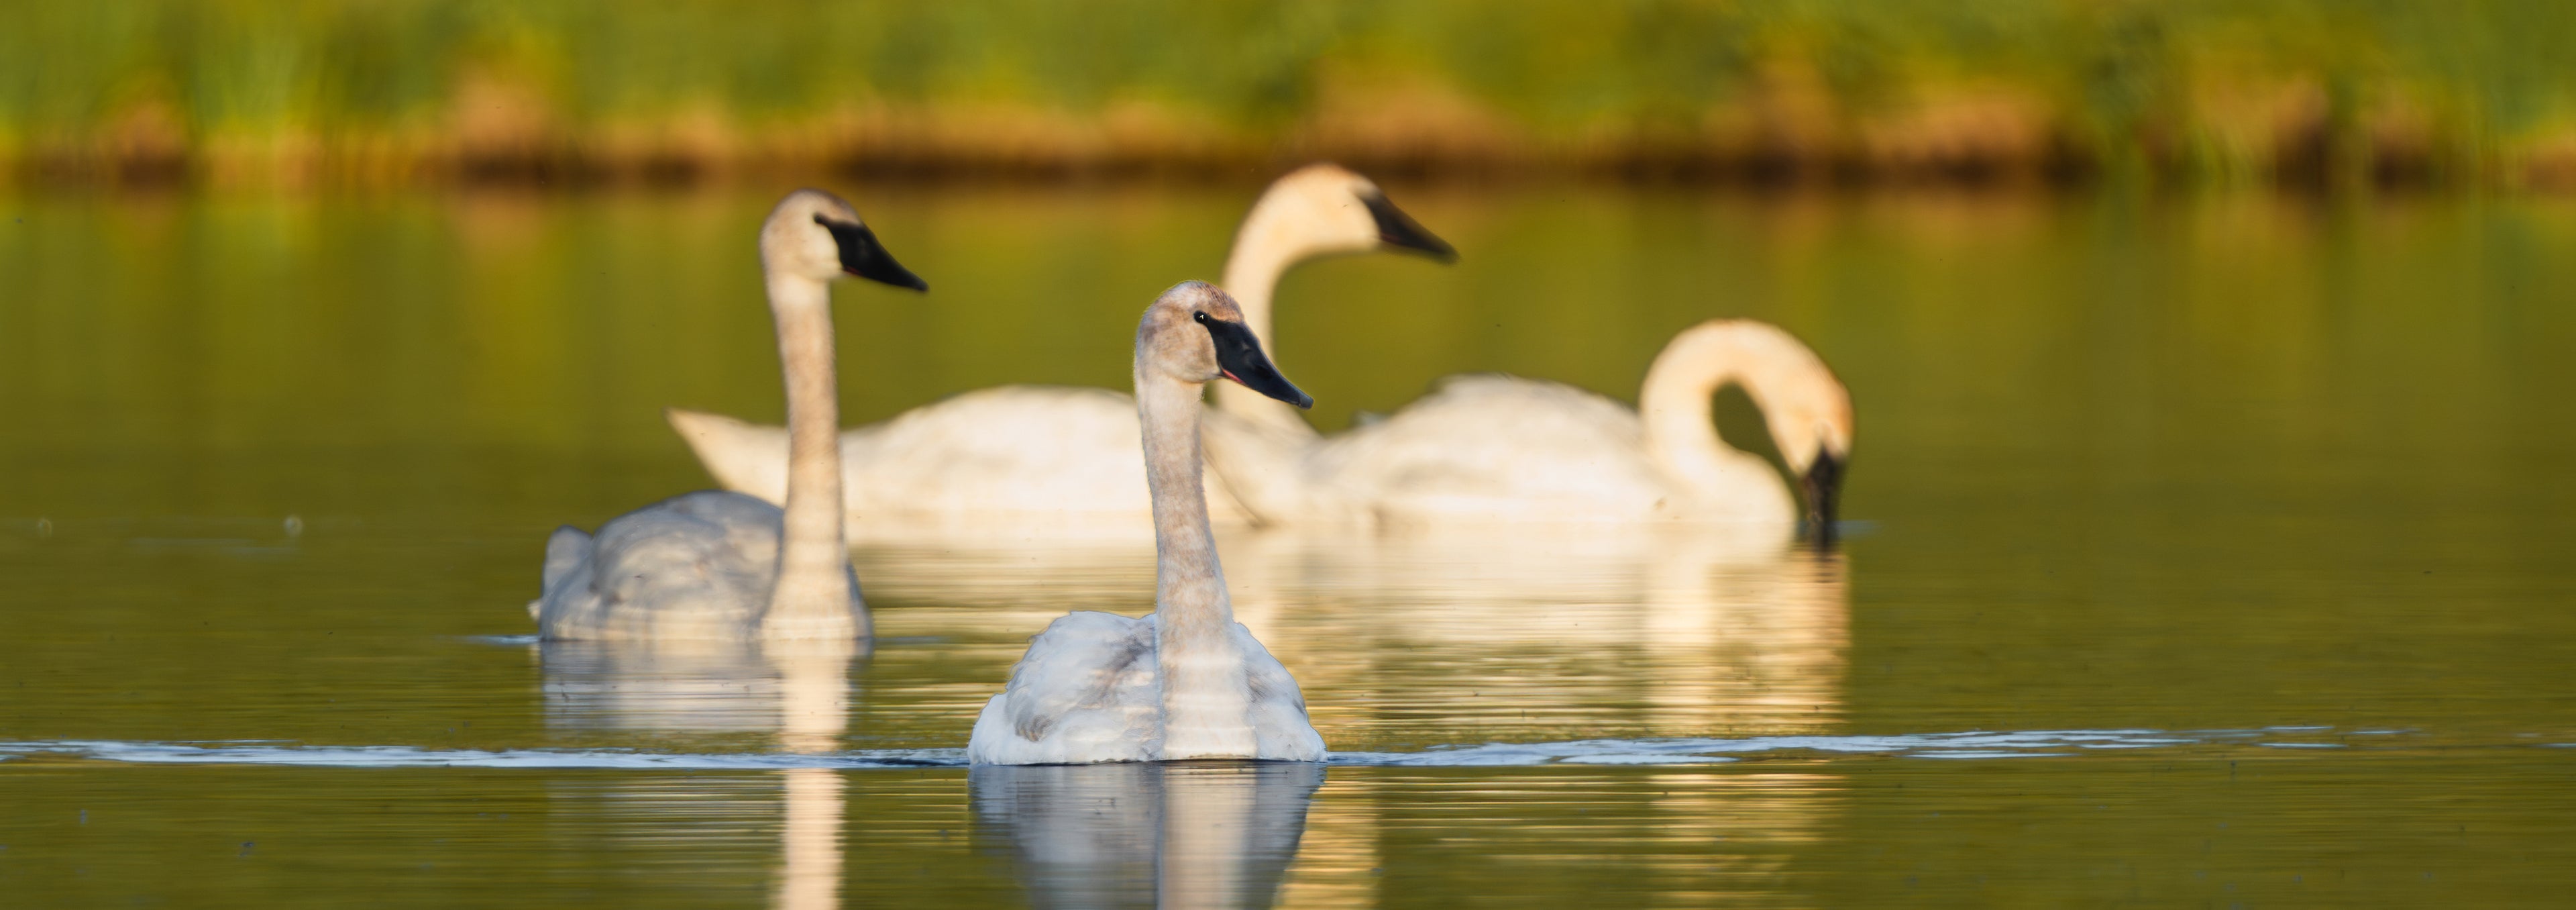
(2311, 92)
(406, 286)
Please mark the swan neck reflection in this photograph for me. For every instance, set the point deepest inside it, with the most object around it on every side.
(1163, 834)
(797, 691)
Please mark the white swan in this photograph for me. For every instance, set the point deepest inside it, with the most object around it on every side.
(1057, 461)
(1186, 681)
(726, 566)
(1485, 448)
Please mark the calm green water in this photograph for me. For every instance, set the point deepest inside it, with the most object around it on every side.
(2268, 494)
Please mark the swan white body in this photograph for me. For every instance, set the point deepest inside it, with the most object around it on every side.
(698, 566)
(1042, 461)
(1054, 460)
(725, 566)
(1484, 448)
(1089, 690)
(1187, 681)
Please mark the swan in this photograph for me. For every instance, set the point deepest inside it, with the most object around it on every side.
(1483, 447)
(1186, 681)
(1055, 461)
(725, 566)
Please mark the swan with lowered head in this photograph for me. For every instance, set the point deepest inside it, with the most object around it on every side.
(1186, 681)
(1058, 460)
(1485, 448)
(725, 566)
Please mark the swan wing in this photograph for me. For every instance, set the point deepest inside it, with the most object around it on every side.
(1079, 663)
(1279, 722)
(1044, 455)
(698, 565)
(567, 550)
(1256, 473)
(1030, 449)
(1496, 447)
(742, 456)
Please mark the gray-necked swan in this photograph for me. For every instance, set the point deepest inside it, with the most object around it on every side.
(1057, 460)
(1186, 681)
(715, 565)
(1485, 448)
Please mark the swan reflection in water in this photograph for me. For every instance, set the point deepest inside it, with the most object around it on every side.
(1671, 631)
(797, 691)
(1147, 834)
(1518, 633)
(1501, 632)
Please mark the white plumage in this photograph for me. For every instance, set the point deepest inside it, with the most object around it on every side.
(696, 566)
(1497, 446)
(1187, 681)
(1488, 448)
(725, 566)
(1057, 461)
(1044, 461)
(1089, 691)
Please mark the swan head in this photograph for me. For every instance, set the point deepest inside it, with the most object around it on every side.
(1195, 333)
(1807, 410)
(1809, 414)
(813, 234)
(1324, 209)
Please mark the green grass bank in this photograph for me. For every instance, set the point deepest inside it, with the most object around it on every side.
(2321, 92)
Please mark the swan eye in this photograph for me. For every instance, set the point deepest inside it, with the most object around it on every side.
(1200, 318)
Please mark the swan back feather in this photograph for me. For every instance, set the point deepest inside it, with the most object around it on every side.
(1490, 446)
(695, 566)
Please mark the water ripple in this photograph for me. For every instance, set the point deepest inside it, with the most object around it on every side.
(1964, 745)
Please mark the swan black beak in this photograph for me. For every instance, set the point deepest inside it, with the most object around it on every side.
(1239, 357)
(1399, 230)
(863, 256)
(1824, 483)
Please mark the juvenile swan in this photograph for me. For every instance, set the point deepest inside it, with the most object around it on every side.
(1057, 460)
(1485, 448)
(726, 566)
(1186, 681)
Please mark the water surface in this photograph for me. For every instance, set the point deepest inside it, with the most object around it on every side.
(2202, 550)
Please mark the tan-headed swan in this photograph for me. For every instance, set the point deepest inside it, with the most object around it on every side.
(1059, 461)
(1186, 681)
(725, 566)
(1487, 448)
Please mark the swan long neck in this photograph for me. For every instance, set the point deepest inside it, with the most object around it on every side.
(814, 597)
(1263, 251)
(1207, 699)
(1677, 407)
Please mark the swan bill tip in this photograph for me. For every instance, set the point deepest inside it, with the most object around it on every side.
(1398, 230)
(862, 256)
(1823, 481)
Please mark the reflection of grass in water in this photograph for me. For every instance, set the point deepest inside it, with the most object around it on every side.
(2309, 89)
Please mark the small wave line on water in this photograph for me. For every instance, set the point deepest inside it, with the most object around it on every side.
(1680, 751)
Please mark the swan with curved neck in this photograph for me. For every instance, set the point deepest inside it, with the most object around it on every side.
(1057, 459)
(1316, 211)
(1186, 681)
(725, 566)
(1483, 448)
(1807, 410)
